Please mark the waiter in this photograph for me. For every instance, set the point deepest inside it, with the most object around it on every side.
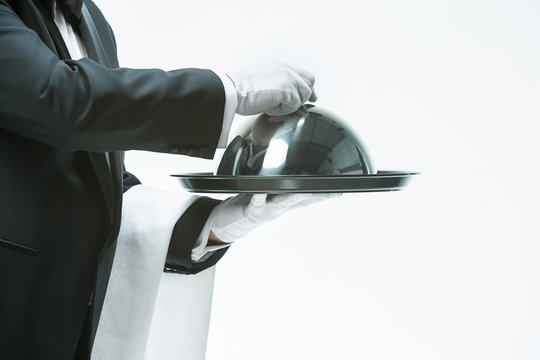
(67, 111)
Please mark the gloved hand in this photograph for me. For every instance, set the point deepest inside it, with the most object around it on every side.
(238, 215)
(273, 88)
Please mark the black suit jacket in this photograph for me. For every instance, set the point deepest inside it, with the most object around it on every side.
(60, 198)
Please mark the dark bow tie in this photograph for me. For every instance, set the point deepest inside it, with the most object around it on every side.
(71, 8)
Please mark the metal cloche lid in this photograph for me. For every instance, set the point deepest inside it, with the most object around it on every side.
(311, 141)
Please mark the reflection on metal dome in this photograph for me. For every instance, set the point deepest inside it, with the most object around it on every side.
(311, 141)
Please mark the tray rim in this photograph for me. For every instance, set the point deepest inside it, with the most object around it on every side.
(380, 173)
(403, 177)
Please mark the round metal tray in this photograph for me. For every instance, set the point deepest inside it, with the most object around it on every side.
(210, 183)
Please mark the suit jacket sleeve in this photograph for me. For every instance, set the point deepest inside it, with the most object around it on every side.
(82, 105)
(185, 234)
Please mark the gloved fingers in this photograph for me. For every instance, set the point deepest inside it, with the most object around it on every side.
(304, 89)
(298, 93)
(283, 200)
(281, 109)
(237, 200)
(258, 200)
(317, 197)
(274, 88)
(290, 101)
(286, 200)
(233, 220)
(309, 78)
(257, 102)
(301, 113)
(230, 209)
(313, 96)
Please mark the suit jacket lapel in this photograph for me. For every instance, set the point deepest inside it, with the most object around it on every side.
(110, 185)
(91, 40)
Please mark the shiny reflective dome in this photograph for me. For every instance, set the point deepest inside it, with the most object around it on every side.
(311, 141)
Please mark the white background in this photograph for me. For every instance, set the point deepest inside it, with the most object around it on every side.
(448, 268)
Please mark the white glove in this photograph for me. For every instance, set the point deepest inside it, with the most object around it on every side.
(238, 215)
(273, 88)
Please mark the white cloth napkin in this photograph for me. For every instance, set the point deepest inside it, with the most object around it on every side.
(181, 318)
(148, 219)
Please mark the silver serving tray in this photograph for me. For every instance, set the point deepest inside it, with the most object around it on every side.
(283, 184)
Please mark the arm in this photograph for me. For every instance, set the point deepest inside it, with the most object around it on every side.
(81, 105)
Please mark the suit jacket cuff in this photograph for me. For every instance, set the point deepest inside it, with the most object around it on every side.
(184, 237)
(231, 103)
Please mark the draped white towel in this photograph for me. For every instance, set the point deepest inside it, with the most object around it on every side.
(148, 219)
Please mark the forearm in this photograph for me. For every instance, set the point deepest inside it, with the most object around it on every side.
(81, 105)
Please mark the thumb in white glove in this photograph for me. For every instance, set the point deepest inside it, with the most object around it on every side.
(238, 215)
(273, 88)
